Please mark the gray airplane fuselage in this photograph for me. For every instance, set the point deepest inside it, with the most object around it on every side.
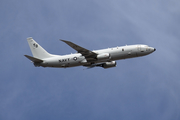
(116, 53)
(98, 58)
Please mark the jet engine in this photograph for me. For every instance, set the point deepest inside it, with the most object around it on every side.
(109, 64)
(103, 56)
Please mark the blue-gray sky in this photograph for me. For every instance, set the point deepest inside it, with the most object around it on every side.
(146, 88)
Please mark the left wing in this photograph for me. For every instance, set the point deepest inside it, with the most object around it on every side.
(89, 55)
(104, 65)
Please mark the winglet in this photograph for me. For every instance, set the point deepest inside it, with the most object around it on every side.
(35, 60)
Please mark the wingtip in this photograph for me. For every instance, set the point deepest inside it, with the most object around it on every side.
(62, 40)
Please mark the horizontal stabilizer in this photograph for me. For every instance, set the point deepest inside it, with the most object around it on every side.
(35, 60)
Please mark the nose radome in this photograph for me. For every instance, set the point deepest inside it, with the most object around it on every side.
(154, 49)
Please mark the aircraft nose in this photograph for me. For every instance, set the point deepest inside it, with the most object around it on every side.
(152, 49)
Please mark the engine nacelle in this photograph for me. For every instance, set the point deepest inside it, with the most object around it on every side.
(103, 56)
(109, 64)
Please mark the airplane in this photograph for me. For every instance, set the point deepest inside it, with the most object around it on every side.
(104, 58)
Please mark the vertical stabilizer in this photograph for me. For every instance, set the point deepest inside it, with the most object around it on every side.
(37, 50)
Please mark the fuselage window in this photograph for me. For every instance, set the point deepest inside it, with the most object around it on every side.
(123, 49)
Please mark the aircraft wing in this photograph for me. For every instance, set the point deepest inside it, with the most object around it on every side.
(89, 55)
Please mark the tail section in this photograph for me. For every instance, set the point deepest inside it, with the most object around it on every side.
(37, 51)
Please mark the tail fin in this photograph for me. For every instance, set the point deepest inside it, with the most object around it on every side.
(37, 50)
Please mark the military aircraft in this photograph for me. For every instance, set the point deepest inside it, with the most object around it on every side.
(104, 58)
